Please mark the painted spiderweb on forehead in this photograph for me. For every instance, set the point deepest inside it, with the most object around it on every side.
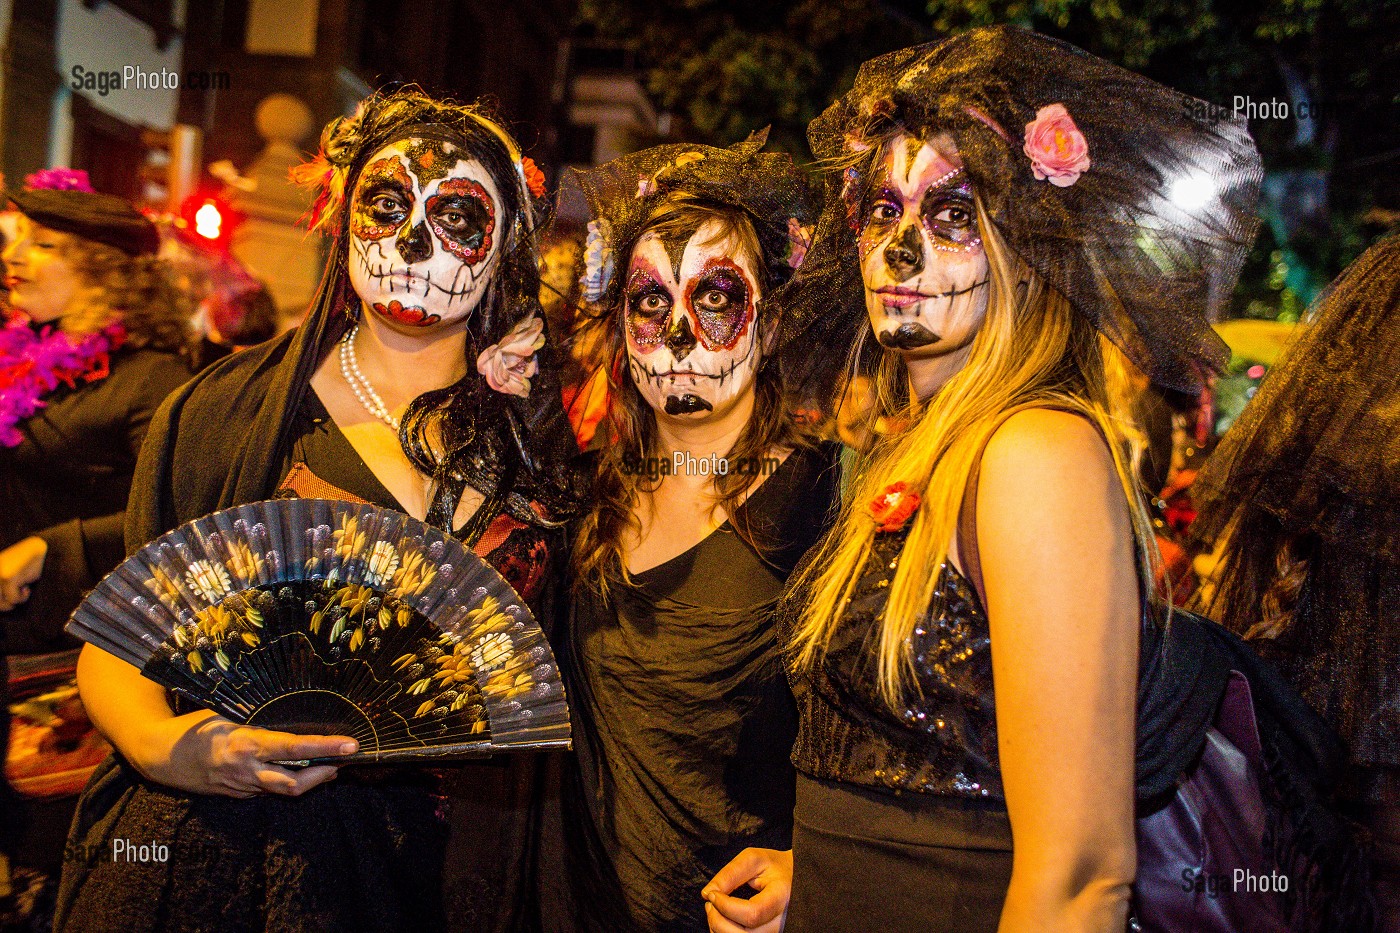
(325, 617)
(1147, 243)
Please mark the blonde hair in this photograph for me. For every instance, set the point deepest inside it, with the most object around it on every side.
(1031, 350)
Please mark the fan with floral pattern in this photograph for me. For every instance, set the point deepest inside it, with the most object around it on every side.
(326, 617)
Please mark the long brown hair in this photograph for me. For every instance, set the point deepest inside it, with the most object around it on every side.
(629, 428)
(138, 291)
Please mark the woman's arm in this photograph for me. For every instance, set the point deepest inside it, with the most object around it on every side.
(198, 752)
(1062, 599)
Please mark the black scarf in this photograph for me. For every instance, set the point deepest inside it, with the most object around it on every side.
(221, 439)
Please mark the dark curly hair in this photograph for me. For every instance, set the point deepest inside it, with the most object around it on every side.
(136, 290)
(630, 425)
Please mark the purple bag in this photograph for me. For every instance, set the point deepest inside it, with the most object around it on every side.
(1203, 865)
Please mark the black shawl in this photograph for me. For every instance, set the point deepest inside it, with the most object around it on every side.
(221, 439)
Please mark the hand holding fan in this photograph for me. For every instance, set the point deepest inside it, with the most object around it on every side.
(326, 617)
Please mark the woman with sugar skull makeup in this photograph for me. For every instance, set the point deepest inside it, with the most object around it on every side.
(705, 495)
(1020, 215)
(420, 381)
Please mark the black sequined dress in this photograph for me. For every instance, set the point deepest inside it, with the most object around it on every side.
(913, 797)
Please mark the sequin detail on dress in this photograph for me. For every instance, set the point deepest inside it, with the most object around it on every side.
(943, 740)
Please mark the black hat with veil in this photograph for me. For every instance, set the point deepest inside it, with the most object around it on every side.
(624, 194)
(1134, 201)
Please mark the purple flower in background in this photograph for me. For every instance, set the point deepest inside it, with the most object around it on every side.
(59, 179)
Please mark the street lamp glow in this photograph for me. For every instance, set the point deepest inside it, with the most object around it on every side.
(208, 221)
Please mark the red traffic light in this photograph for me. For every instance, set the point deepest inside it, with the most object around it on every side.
(209, 221)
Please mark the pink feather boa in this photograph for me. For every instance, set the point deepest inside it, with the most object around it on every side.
(33, 364)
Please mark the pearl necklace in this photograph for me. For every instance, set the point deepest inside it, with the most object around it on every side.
(363, 389)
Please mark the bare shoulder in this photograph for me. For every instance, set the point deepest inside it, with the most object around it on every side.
(1048, 448)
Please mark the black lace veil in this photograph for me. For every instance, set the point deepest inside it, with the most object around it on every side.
(1305, 491)
(1147, 242)
(1319, 445)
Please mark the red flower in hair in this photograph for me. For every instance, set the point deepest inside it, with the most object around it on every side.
(534, 178)
(894, 507)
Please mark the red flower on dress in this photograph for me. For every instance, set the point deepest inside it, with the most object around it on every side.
(411, 315)
(1058, 151)
(534, 178)
(893, 508)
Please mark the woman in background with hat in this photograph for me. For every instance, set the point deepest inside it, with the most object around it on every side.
(91, 345)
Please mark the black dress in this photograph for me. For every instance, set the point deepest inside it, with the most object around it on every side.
(366, 852)
(683, 718)
(901, 823)
(67, 482)
(913, 797)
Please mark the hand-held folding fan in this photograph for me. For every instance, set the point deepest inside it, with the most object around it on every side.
(325, 617)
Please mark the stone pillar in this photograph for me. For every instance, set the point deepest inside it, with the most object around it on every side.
(30, 80)
(270, 242)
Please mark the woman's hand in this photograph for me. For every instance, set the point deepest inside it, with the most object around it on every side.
(207, 754)
(21, 565)
(767, 871)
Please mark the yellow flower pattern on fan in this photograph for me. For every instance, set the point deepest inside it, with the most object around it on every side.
(360, 602)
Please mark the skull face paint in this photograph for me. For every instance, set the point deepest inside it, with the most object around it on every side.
(423, 233)
(692, 336)
(925, 271)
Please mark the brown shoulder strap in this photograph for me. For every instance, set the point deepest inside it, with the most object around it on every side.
(968, 554)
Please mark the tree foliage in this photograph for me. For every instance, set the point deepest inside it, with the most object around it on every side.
(727, 67)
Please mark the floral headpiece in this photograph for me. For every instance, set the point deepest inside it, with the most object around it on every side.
(623, 194)
(381, 119)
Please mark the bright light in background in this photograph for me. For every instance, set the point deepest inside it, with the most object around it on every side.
(1192, 192)
(208, 221)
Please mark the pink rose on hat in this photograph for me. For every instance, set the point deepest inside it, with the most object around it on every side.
(1059, 153)
(509, 365)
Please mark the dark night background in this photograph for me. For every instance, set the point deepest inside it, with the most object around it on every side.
(581, 80)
